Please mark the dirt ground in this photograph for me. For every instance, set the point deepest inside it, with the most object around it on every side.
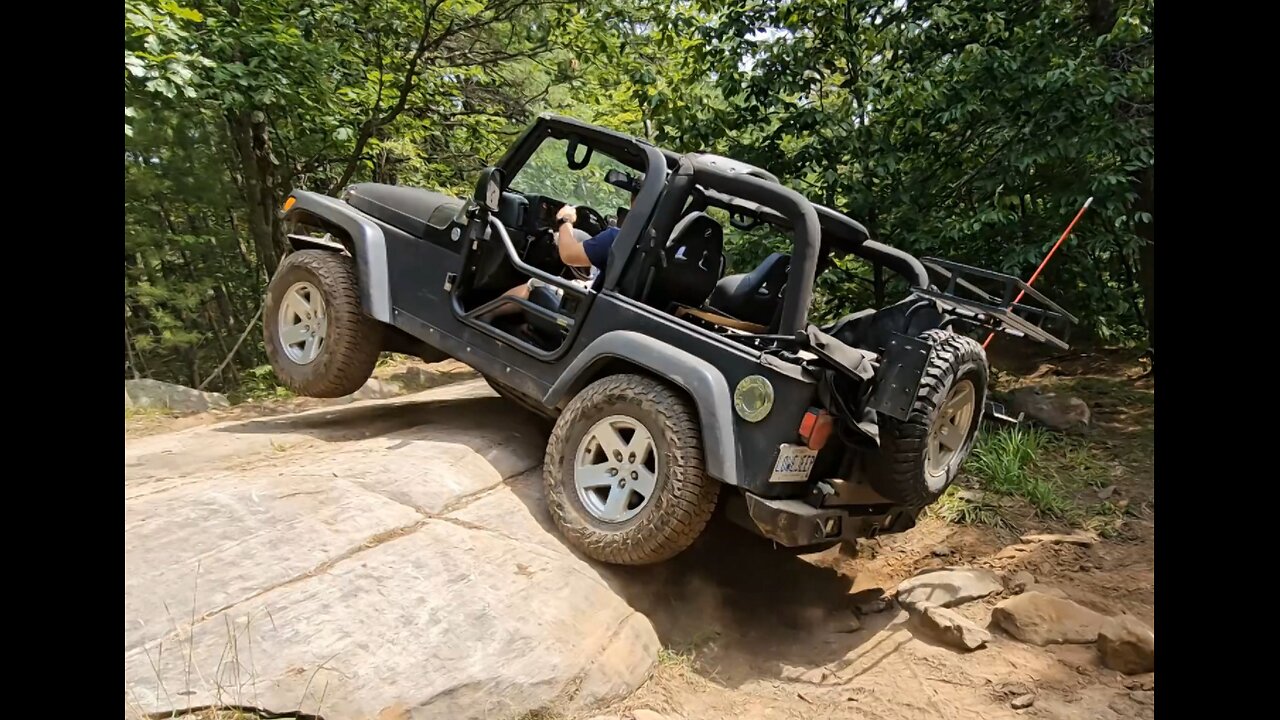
(735, 621)
(735, 616)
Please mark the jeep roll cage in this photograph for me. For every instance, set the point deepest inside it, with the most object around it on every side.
(691, 183)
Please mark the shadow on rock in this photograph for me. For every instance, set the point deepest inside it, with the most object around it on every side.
(745, 608)
(345, 424)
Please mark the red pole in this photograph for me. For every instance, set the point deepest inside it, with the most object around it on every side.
(1044, 262)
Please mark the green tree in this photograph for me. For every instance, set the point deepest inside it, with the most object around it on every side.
(972, 129)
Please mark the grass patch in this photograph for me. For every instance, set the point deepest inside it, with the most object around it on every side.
(1049, 472)
(226, 714)
(966, 507)
(674, 659)
(1005, 461)
(141, 413)
(258, 384)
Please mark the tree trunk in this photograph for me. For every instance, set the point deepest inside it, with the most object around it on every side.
(1146, 182)
(258, 166)
(128, 347)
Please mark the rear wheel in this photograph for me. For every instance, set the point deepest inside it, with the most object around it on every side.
(318, 339)
(624, 472)
(922, 455)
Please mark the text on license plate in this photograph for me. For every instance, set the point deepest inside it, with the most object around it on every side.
(794, 464)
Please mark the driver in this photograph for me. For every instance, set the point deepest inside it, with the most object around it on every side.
(590, 253)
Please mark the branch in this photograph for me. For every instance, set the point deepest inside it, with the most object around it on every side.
(227, 359)
(370, 126)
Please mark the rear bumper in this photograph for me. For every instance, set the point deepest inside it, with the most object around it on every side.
(794, 523)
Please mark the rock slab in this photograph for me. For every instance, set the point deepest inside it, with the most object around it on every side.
(385, 557)
(948, 587)
(1127, 645)
(952, 628)
(1040, 619)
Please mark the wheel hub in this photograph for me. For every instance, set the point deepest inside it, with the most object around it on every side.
(950, 428)
(615, 469)
(302, 323)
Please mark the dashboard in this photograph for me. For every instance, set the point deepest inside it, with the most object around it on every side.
(528, 213)
(532, 219)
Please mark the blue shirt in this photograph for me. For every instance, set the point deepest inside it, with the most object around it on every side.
(597, 248)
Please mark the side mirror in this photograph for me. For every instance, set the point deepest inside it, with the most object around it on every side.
(489, 189)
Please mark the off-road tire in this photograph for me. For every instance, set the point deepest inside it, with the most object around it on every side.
(901, 475)
(352, 341)
(683, 498)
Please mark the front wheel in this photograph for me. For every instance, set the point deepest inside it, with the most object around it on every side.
(624, 472)
(319, 341)
(921, 456)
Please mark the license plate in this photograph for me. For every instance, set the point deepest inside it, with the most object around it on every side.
(794, 464)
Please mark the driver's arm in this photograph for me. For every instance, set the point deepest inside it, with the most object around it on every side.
(571, 252)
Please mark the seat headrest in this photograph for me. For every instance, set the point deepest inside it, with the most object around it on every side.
(697, 225)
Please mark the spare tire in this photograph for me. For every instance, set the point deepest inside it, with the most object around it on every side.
(922, 455)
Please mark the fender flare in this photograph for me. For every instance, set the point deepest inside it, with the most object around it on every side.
(704, 383)
(369, 246)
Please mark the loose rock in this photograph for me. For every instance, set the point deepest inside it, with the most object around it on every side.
(792, 674)
(948, 588)
(953, 629)
(1046, 590)
(147, 393)
(374, 389)
(1127, 645)
(1040, 619)
(1080, 539)
(870, 602)
(1019, 581)
(1142, 698)
(1023, 701)
(1011, 689)
(941, 551)
(1140, 683)
(816, 676)
(846, 624)
(1013, 551)
(1049, 409)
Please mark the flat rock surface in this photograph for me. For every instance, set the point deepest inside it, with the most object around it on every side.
(346, 561)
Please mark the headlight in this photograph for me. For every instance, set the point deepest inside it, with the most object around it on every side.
(753, 398)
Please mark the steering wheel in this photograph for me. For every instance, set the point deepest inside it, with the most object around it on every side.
(590, 221)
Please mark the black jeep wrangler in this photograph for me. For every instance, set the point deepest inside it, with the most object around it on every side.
(667, 378)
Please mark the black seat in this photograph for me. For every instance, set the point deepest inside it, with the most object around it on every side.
(871, 329)
(692, 262)
(754, 296)
(413, 210)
